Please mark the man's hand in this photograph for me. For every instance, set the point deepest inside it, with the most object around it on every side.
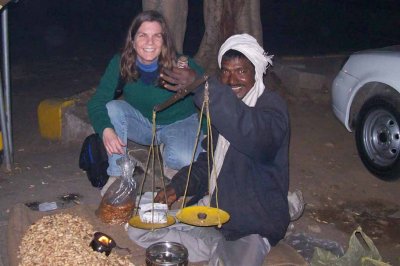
(177, 78)
(112, 142)
(169, 194)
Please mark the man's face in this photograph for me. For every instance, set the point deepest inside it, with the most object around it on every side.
(239, 74)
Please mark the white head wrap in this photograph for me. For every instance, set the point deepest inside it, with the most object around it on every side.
(248, 46)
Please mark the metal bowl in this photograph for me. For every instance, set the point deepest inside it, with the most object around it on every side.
(166, 254)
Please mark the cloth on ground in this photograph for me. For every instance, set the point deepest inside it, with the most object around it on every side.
(21, 217)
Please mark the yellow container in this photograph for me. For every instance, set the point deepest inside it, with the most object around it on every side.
(202, 216)
(50, 117)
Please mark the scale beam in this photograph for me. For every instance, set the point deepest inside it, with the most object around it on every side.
(181, 94)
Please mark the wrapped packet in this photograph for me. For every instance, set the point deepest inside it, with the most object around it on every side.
(153, 213)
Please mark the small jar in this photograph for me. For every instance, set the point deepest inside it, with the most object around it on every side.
(102, 243)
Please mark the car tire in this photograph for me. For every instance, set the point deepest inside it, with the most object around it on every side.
(378, 138)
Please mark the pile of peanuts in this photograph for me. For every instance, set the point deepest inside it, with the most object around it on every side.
(63, 239)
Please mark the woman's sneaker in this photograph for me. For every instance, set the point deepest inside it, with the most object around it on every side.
(110, 180)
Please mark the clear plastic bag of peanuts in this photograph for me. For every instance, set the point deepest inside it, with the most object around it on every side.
(118, 203)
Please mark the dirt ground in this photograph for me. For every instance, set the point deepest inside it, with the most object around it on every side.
(340, 194)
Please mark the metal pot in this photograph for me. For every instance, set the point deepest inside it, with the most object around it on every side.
(166, 254)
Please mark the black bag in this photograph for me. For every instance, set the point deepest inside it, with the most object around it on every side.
(94, 160)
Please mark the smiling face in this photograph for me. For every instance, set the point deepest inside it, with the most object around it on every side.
(148, 41)
(238, 73)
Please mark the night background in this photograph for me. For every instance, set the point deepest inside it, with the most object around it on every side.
(40, 28)
(60, 49)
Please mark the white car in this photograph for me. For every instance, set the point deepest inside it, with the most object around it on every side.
(366, 99)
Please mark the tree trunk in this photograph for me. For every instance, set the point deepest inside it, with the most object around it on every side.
(175, 13)
(223, 18)
(249, 20)
(209, 46)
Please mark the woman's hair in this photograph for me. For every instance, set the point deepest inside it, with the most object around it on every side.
(128, 67)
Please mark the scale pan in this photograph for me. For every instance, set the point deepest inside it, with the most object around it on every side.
(202, 216)
(137, 223)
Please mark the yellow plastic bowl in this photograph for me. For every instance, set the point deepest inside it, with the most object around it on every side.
(202, 216)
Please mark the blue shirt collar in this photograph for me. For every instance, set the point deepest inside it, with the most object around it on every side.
(147, 67)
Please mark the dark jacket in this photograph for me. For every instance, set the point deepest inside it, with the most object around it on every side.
(254, 179)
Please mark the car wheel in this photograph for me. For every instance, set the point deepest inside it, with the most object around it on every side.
(378, 138)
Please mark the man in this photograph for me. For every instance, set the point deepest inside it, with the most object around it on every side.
(251, 129)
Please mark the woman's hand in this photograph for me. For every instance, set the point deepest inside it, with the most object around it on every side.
(112, 142)
(177, 78)
(170, 195)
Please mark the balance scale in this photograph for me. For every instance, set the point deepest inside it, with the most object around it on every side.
(192, 215)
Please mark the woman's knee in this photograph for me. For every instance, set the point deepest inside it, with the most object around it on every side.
(176, 159)
(114, 108)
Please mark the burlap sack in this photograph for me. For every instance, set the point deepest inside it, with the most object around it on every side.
(21, 217)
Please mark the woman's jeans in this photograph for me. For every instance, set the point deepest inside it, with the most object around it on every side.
(178, 138)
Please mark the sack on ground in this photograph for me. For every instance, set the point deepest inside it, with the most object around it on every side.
(94, 160)
(361, 251)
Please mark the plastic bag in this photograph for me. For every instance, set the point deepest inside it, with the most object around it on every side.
(118, 202)
(361, 251)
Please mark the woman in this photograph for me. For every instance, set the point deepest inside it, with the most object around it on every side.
(148, 50)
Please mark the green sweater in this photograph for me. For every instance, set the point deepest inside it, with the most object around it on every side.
(141, 96)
